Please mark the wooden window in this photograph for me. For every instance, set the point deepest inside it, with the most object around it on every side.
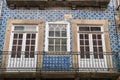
(57, 38)
(90, 43)
(24, 41)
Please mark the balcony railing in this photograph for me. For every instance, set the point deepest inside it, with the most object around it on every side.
(42, 4)
(59, 62)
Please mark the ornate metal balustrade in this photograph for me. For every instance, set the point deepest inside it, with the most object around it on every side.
(42, 4)
(59, 62)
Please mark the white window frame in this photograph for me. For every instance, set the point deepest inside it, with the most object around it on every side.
(90, 38)
(24, 37)
(92, 61)
(47, 35)
(22, 63)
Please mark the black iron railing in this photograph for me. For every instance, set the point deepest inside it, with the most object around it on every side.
(59, 61)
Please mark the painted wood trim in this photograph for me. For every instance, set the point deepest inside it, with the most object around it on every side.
(103, 23)
(11, 22)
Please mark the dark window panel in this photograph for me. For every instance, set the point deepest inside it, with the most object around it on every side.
(14, 42)
(51, 48)
(13, 48)
(84, 29)
(18, 54)
(33, 36)
(95, 29)
(94, 42)
(51, 41)
(31, 54)
(99, 42)
(32, 48)
(13, 54)
(27, 48)
(26, 54)
(99, 36)
(20, 36)
(86, 42)
(57, 33)
(81, 36)
(15, 36)
(19, 42)
(94, 36)
(27, 42)
(81, 42)
(28, 36)
(19, 48)
(64, 34)
(33, 42)
(51, 33)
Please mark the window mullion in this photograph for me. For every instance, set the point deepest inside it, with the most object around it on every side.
(24, 42)
(90, 43)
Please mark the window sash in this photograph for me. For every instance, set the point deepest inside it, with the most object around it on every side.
(63, 28)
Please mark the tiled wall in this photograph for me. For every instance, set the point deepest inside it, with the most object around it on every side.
(57, 15)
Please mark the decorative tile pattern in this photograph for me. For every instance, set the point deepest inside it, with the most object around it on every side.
(57, 15)
(56, 63)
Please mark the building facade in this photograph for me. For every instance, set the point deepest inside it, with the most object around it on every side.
(59, 39)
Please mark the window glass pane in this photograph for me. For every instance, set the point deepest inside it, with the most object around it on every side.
(94, 42)
(31, 54)
(95, 29)
(19, 48)
(95, 55)
(81, 36)
(64, 34)
(99, 42)
(81, 49)
(27, 48)
(99, 36)
(14, 42)
(27, 42)
(64, 48)
(100, 49)
(101, 55)
(33, 36)
(19, 42)
(30, 28)
(28, 36)
(94, 36)
(84, 29)
(57, 48)
(18, 54)
(20, 36)
(81, 42)
(87, 49)
(15, 36)
(51, 48)
(33, 42)
(13, 48)
(57, 41)
(57, 33)
(95, 49)
(32, 48)
(86, 42)
(87, 55)
(51, 41)
(86, 36)
(64, 41)
(26, 54)
(13, 54)
(19, 28)
(51, 33)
